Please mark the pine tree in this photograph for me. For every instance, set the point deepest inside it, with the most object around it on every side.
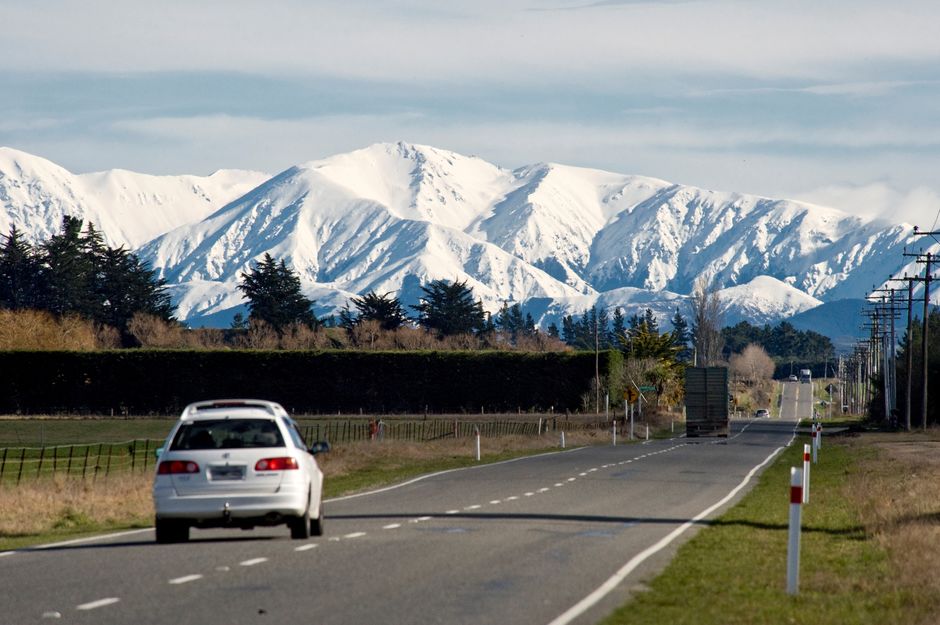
(274, 295)
(19, 272)
(680, 334)
(618, 329)
(124, 286)
(385, 309)
(66, 271)
(448, 308)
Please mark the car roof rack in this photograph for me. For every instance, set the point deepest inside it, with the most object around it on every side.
(272, 408)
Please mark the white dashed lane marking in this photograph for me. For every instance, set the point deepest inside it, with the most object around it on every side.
(185, 579)
(306, 547)
(355, 535)
(473, 507)
(253, 561)
(391, 526)
(100, 603)
(452, 512)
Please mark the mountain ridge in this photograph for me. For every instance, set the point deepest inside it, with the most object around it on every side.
(392, 216)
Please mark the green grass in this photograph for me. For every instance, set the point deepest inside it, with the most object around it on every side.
(38, 432)
(734, 571)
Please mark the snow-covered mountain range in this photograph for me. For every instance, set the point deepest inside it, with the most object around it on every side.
(392, 217)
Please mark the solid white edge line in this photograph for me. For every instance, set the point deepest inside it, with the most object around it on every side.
(100, 603)
(617, 578)
(185, 579)
(75, 541)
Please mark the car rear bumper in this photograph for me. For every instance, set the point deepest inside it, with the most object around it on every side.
(209, 509)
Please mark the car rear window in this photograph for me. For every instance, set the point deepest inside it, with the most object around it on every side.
(227, 434)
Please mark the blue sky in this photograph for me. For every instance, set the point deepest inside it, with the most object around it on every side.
(835, 102)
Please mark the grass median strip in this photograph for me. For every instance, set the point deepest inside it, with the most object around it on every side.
(734, 570)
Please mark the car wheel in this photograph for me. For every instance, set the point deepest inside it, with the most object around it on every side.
(316, 525)
(300, 526)
(171, 531)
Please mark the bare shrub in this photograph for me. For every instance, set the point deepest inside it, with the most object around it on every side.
(40, 330)
(540, 342)
(259, 335)
(152, 331)
(752, 365)
(300, 336)
(107, 337)
(366, 333)
(205, 338)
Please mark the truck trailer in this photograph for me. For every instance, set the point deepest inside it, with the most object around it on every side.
(706, 401)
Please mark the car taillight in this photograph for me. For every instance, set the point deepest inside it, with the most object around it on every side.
(277, 464)
(171, 467)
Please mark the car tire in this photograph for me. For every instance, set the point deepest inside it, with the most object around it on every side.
(300, 526)
(171, 531)
(316, 525)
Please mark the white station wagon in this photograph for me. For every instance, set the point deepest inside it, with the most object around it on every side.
(237, 463)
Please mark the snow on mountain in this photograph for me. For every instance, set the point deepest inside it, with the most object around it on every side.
(392, 217)
(763, 300)
(333, 237)
(128, 208)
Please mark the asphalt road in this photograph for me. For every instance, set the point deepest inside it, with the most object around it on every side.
(796, 401)
(556, 538)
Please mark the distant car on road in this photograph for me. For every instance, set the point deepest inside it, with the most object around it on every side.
(793, 378)
(237, 463)
(762, 414)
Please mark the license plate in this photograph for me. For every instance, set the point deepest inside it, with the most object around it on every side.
(227, 473)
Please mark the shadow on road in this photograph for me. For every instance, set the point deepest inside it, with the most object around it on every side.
(853, 532)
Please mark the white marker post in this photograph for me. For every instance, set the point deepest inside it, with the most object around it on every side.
(614, 430)
(806, 473)
(647, 431)
(819, 436)
(815, 444)
(478, 442)
(793, 543)
(562, 439)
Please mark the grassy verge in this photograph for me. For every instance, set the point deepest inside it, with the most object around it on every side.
(856, 546)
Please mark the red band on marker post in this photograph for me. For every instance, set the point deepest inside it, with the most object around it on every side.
(805, 456)
(796, 494)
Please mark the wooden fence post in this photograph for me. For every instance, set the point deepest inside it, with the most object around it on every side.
(22, 462)
(42, 453)
(3, 463)
(107, 469)
(98, 462)
(85, 462)
(68, 467)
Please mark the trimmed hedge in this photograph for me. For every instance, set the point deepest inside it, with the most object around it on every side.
(142, 382)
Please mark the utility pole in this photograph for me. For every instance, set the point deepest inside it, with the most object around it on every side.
(923, 348)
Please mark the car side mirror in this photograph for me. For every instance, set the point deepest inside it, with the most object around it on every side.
(319, 447)
(158, 451)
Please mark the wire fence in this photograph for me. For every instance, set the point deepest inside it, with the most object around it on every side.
(88, 461)
(93, 461)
